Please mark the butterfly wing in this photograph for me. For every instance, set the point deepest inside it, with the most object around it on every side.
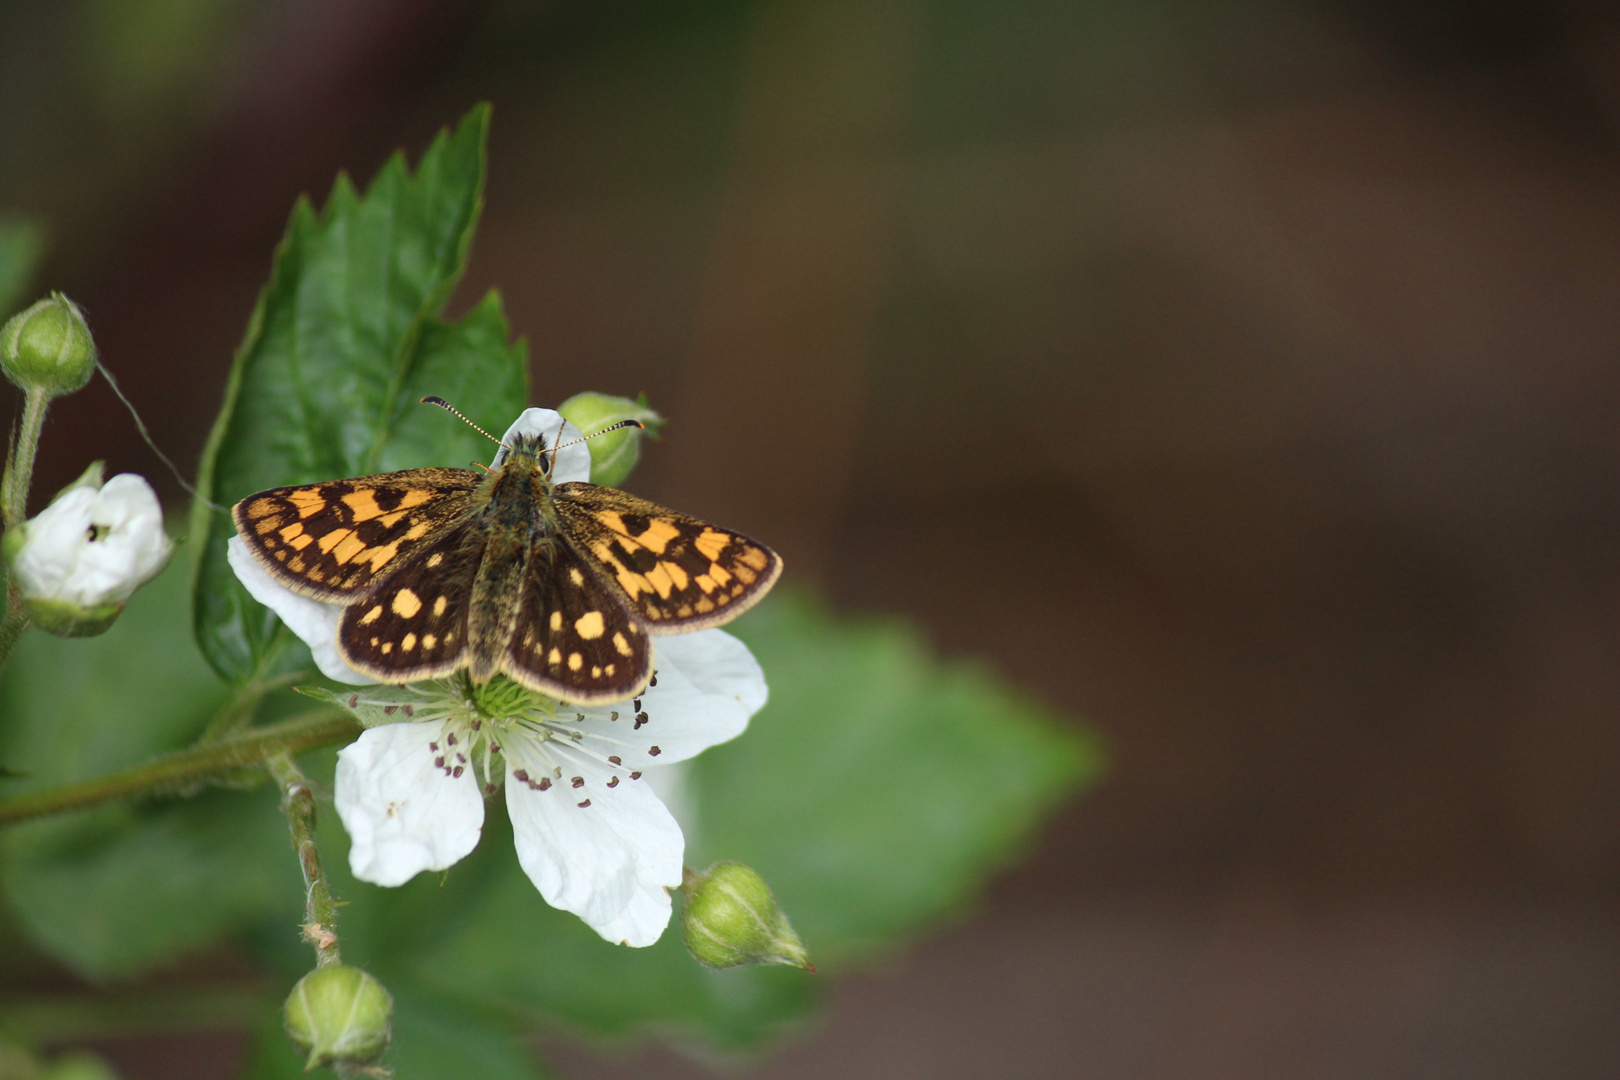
(573, 638)
(414, 624)
(336, 540)
(677, 573)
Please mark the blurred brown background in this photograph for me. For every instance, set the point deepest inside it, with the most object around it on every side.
(1240, 377)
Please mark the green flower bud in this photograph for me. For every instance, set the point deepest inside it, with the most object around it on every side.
(612, 455)
(731, 918)
(339, 1014)
(48, 347)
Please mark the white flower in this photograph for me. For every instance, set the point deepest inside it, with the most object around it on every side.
(93, 546)
(590, 832)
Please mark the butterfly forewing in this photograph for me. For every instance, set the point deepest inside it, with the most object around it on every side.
(574, 638)
(414, 625)
(677, 573)
(334, 541)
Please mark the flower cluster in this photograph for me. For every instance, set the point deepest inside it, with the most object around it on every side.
(590, 831)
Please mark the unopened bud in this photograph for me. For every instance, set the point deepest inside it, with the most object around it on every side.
(612, 455)
(731, 918)
(339, 1014)
(48, 347)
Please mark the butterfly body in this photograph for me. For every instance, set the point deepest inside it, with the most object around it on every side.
(556, 586)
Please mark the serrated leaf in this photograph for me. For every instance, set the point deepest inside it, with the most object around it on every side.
(879, 787)
(344, 341)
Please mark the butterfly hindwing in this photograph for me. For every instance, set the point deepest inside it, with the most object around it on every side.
(333, 541)
(573, 637)
(677, 573)
(414, 625)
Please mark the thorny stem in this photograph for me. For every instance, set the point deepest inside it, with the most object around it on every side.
(14, 484)
(320, 912)
(173, 772)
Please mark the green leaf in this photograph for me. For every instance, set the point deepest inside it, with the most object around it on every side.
(497, 945)
(114, 890)
(880, 786)
(344, 341)
(876, 793)
(22, 241)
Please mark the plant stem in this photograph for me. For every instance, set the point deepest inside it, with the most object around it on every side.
(320, 912)
(20, 462)
(14, 484)
(177, 770)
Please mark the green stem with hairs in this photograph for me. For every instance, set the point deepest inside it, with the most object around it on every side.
(320, 911)
(20, 462)
(178, 770)
(14, 484)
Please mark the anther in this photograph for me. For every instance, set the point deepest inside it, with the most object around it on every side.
(584, 804)
(636, 775)
(578, 781)
(616, 760)
(613, 782)
(653, 751)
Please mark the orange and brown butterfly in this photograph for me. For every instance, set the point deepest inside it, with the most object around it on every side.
(554, 583)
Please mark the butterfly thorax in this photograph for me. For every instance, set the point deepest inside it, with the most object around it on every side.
(514, 501)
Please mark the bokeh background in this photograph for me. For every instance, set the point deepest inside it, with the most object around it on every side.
(1238, 377)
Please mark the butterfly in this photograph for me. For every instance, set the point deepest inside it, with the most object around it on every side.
(555, 585)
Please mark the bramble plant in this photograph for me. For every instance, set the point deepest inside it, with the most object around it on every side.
(165, 734)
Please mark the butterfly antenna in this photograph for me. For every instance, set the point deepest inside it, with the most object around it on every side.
(453, 411)
(620, 426)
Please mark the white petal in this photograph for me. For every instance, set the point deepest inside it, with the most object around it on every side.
(51, 544)
(609, 862)
(94, 546)
(315, 623)
(404, 813)
(642, 921)
(709, 684)
(573, 462)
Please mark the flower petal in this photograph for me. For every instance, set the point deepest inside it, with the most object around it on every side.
(315, 623)
(709, 684)
(573, 462)
(403, 812)
(94, 546)
(607, 854)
